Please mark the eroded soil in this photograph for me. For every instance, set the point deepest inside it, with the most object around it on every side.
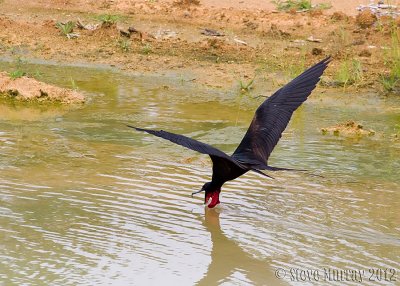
(30, 89)
(257, 39)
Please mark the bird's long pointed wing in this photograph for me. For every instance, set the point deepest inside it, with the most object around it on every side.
(273, 115)
(191, 144)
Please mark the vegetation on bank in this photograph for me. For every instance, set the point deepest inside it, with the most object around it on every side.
(391, 79)
(299, 5)
(288, 50)
(108, 20)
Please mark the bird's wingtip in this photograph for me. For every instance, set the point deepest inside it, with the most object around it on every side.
(136, 128)
(327, 60)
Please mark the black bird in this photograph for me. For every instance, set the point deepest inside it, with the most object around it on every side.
(270, 120)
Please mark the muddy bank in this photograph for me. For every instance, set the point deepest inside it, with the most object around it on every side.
(250, 42)
(347, 129)
(28, 89)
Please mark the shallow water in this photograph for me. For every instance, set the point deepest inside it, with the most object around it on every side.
(87, 201)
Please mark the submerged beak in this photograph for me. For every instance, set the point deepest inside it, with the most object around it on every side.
(194, 193)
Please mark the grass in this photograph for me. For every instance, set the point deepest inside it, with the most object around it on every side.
(391, 80)
(107, 20)
(293, 4)
(344, 37)
(299, 5)
(18, 71)
(17, 74)
(74, 86)
(246, 86)
(181, 79)
(349, 73)
(294, 69)
(65, 28)
(146, 49)
(124, 45)
(285, 69)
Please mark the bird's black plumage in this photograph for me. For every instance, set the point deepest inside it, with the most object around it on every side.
(273, 115)
(270, 120)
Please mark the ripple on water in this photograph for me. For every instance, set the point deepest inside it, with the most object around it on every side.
(86, 201)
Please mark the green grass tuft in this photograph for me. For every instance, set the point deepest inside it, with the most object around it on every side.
(107, 20)
(65, 28)
(124, 45)
(19, 68)
(246, 86)
(146, 49)
(299, 5)
(17, 74)
(349, 73)
(391, 80)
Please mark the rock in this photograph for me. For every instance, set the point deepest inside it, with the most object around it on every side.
(124, 33)
(316, 51)
(240, 42)
(315, 40)
(365, 19)
(132, 30)
(210, 32)
(251, 25)
(339, 16)
(365, 53)
(73, 35)
(127, 32)
(299, 42)
(90, 27)
(275, 31)
(380, 9)
(166, 34)
(349, 128)
(358, 42)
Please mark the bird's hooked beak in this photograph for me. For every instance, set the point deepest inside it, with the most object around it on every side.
(197, 192)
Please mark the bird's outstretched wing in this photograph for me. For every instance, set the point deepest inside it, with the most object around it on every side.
(273, 115)
(192, 144)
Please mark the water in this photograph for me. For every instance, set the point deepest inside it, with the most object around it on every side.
(87, 201)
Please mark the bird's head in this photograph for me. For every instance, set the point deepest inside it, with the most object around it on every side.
(211, 197)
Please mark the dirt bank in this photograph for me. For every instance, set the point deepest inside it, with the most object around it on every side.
(349, 128)
(29, 89)
(169, 37)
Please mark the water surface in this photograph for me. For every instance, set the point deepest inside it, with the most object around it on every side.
(87, 201)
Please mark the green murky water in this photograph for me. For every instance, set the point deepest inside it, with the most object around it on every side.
(86, 201)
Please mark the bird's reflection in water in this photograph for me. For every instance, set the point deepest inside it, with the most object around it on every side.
(227, 257)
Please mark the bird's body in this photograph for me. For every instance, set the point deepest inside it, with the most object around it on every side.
(270, 120)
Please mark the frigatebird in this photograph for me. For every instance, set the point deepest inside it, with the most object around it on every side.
(270, 120)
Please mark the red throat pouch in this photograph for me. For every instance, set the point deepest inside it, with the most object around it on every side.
(213, 198)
